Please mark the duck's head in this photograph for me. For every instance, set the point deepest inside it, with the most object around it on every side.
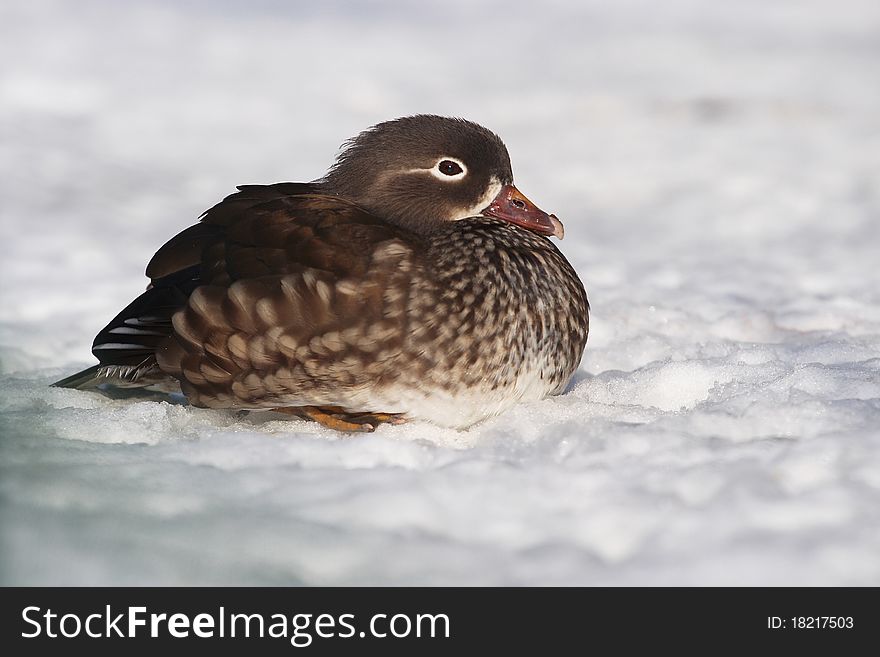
(421, 171)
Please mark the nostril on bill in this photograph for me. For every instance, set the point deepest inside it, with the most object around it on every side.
(518, 204)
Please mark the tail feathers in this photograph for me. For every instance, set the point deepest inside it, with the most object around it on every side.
(84, 380)
(126, 347)
(147, 375)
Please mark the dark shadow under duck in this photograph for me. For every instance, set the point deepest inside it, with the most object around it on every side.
(412, 281)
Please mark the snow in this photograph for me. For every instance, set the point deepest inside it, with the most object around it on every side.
(717, 168)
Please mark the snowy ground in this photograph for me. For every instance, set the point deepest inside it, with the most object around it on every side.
(717, 166)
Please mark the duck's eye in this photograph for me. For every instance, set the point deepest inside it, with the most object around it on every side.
(450, 168)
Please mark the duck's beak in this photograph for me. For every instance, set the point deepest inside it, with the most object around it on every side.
(511, 205)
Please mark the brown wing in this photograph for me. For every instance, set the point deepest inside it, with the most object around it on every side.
(126, 346)
(302, 297)
(185, 249)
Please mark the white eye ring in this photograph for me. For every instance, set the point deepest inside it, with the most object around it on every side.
(443, 163)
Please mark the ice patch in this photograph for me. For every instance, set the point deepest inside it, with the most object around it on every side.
(670, 386)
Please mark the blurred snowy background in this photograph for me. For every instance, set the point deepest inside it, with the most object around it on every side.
(717, 167)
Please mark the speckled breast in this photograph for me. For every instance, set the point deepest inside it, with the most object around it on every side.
(502, 317)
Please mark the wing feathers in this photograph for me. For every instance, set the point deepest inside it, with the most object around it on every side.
(278, 289)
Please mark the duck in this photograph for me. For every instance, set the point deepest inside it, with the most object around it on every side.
(413, 281)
